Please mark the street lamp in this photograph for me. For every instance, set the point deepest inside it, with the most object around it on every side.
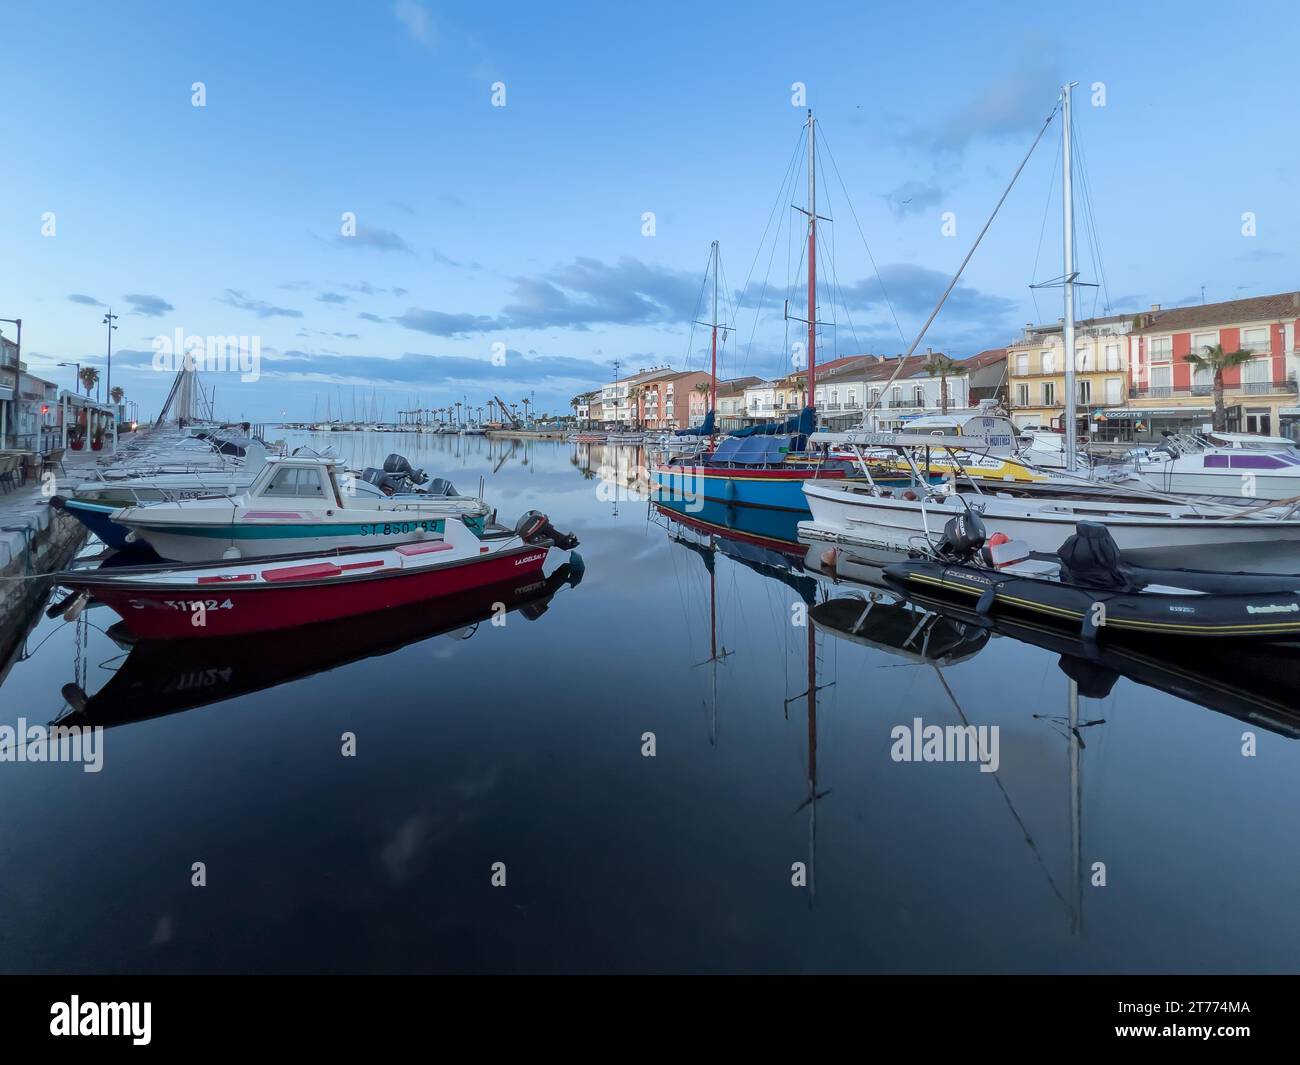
(109, 319)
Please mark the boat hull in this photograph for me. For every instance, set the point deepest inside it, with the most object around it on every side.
(769, 488)
(1230, 484)
(153, 610)
(1274, 615)
(98, 519)
(1249, 545)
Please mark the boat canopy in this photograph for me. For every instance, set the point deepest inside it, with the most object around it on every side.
(705, 428)
(801, 424)
(983, 433)
(752, 451)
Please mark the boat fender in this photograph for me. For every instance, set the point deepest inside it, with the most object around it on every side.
(1088, 630)
(829, 558)
(910, 496)
(986, 601)
(577, 567)
(75, 607)
(58, 502)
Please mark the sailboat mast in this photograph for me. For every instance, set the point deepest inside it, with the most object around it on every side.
(1067, 199)
(713, 371)
(812, 259)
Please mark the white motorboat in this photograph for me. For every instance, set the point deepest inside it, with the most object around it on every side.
(295, 505)
(1166, 533)
(1223, 464)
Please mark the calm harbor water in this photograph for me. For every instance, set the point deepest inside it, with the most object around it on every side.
(522, 744)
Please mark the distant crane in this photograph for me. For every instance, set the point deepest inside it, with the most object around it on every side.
(505, 413)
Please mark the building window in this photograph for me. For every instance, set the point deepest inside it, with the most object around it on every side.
(1201, 341)
(918, 395)
(1162, 349)
(1049, 394)
(1083, 357)
(1022, 395)
(1112, 356)
(1255, 377)
(1162, 381)
(1085, 391)
(1114, 391)
(1255, 340)
(1022, 365)
(1047, 360)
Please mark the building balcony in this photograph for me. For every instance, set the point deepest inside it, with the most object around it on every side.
(1248, 388)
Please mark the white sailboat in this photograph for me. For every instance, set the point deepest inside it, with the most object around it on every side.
(1168, 533)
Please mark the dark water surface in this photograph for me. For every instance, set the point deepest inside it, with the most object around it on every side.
(522, 744)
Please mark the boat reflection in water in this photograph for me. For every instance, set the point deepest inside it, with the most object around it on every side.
(166, 677)
(848, 599)
(1256, 683)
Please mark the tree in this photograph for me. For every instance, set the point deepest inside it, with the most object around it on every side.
(634, 401)
(1216, 360)
(116, 394)
(89, 379)
(943, 367)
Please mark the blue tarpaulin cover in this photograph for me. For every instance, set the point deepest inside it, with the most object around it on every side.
(752, 451)
(703, 429)
(801, 424)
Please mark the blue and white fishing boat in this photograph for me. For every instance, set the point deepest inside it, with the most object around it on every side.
(296, 505)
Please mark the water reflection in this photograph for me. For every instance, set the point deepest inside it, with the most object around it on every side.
(166, 677)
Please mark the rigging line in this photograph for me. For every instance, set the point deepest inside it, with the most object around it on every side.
(879, 277)
(961, 269)
(1042, 230)
(1005, 795)
(1099, 257)
(699, 302)
(778, 214)
(776, 238)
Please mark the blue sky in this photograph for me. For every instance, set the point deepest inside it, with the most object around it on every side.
(522, 225)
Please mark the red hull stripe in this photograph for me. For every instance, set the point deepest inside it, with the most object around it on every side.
(293, 573)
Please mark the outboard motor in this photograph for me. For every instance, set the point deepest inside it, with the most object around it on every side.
(388, 483)
(963, 536)
(535, 526)
(397, 464)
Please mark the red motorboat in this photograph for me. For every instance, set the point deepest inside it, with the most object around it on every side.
(188, 601)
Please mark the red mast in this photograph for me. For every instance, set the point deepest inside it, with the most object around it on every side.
(812, 261)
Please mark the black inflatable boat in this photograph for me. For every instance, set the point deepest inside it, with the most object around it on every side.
(1088, 588)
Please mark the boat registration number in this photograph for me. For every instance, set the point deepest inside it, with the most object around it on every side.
(190, 605)
(393, 528)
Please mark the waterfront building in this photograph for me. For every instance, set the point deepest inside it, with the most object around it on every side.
(1168, 392)
(1035, 369)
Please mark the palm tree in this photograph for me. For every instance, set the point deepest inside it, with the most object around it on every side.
(526, 405)
(89, 378)
(116, 394)
(943, 367)
(634, 401)
(1215, 359)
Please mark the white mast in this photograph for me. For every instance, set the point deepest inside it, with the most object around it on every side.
(1067, 199)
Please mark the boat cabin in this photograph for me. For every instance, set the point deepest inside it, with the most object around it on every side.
(300, 479)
